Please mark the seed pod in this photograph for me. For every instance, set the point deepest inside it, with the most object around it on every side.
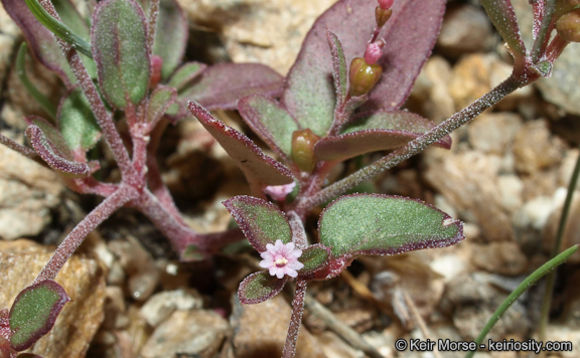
(303, 142)
(363, 77)
(568, 26)
(382, 15)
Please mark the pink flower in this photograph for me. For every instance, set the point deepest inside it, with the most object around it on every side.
(281, 259)
(279, 192)
(373, 52)
(386, 4)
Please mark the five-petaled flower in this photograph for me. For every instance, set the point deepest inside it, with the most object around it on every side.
(281, 259)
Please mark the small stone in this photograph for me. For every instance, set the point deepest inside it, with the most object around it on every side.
(511, 188)
(163, 304)
(504, 258)
(465, 29)
(334, 347)
(494, 132)
(28, 192)
(196, 333)
(83, 281)
(535, 148)
(260, 331)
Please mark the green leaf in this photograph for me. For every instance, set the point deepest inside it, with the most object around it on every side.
(338, 68)
(384, 225)
(120, 50)
(34, 312)
(185, 74)
(159, 102)
(77, 122)
(170, 36)
(270, 121)
(258, 287)
(315, 258)
(262, 222)
(503, 17)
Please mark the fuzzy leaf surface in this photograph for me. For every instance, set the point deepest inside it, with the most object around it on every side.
(34, 312)
(41, 41)
(339, 73)
(171, 36)
(270, 121)
(261, 222)
(222, 85)
(315, 258)
(259, 287)
(502, 15)
(120, 50)
(410, 34)
(382, 130)
(78, 125)
(185, 74)
(159, 102)
(52, 148)
(259, 169)
(384, 225)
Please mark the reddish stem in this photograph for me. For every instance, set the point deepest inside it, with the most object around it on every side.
(295, 320)
(27, 152)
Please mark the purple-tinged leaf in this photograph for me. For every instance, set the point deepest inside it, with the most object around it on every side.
(41, 41)
(339, 72)
(52, 148)
(159, 102)
(185, 74)
(270, 121)
(315, 259)
(259, 169)
(410, 34)
(78, 125)
(170, 36)
(503, 17)
(120, 49)
(261, 222)
(222, 85)
(383, 130)
(34, 312)
(374, 224)
(259, 287)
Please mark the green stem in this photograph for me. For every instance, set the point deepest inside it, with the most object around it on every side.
(547, 301)
(522, 287)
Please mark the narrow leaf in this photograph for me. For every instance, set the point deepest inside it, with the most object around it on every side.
(384, 225)
(71, 17)
(382, 130)
(503, 17)
(52, 148)
(170, 36)
(259, 169)
(270, 121)
(42, 42)
(159, 102)
(78, 125)
(34, 312)
(120, 50)
(338, 68)
(410, 34)
(259, 287)
(262, 222)
(222, 85)
(315, 258)
(185, 74)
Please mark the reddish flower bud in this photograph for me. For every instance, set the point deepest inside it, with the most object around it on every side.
(156, 64)
(373, 52)
(385, 4)
(568, 26)
(382, 15)
(363, 77)
(303, 142)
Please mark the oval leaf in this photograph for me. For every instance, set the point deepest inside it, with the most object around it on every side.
(315, 258)
(259, 287)
(270, 121)
(78, 125)
(384, 225)
(262, 222)
(381, 131)
(259, 169)
(410, 34)
(185, 74)
(222, 85)
(120, 50)
(34, 312)
(502, 15)
(170, 36)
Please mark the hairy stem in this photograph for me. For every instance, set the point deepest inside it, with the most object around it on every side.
(547, 300)
(74, 238)
(546, 26)
(153, 15)
(27, 152)
(295, 320)
(415, 146)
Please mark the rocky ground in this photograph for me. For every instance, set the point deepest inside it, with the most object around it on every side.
(505, 177)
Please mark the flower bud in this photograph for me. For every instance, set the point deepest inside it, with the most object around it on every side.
(156, 64)
(382, 15)
(303, 142)
(385, 4)
(568, 26)
(373, 52)
(363, 77)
